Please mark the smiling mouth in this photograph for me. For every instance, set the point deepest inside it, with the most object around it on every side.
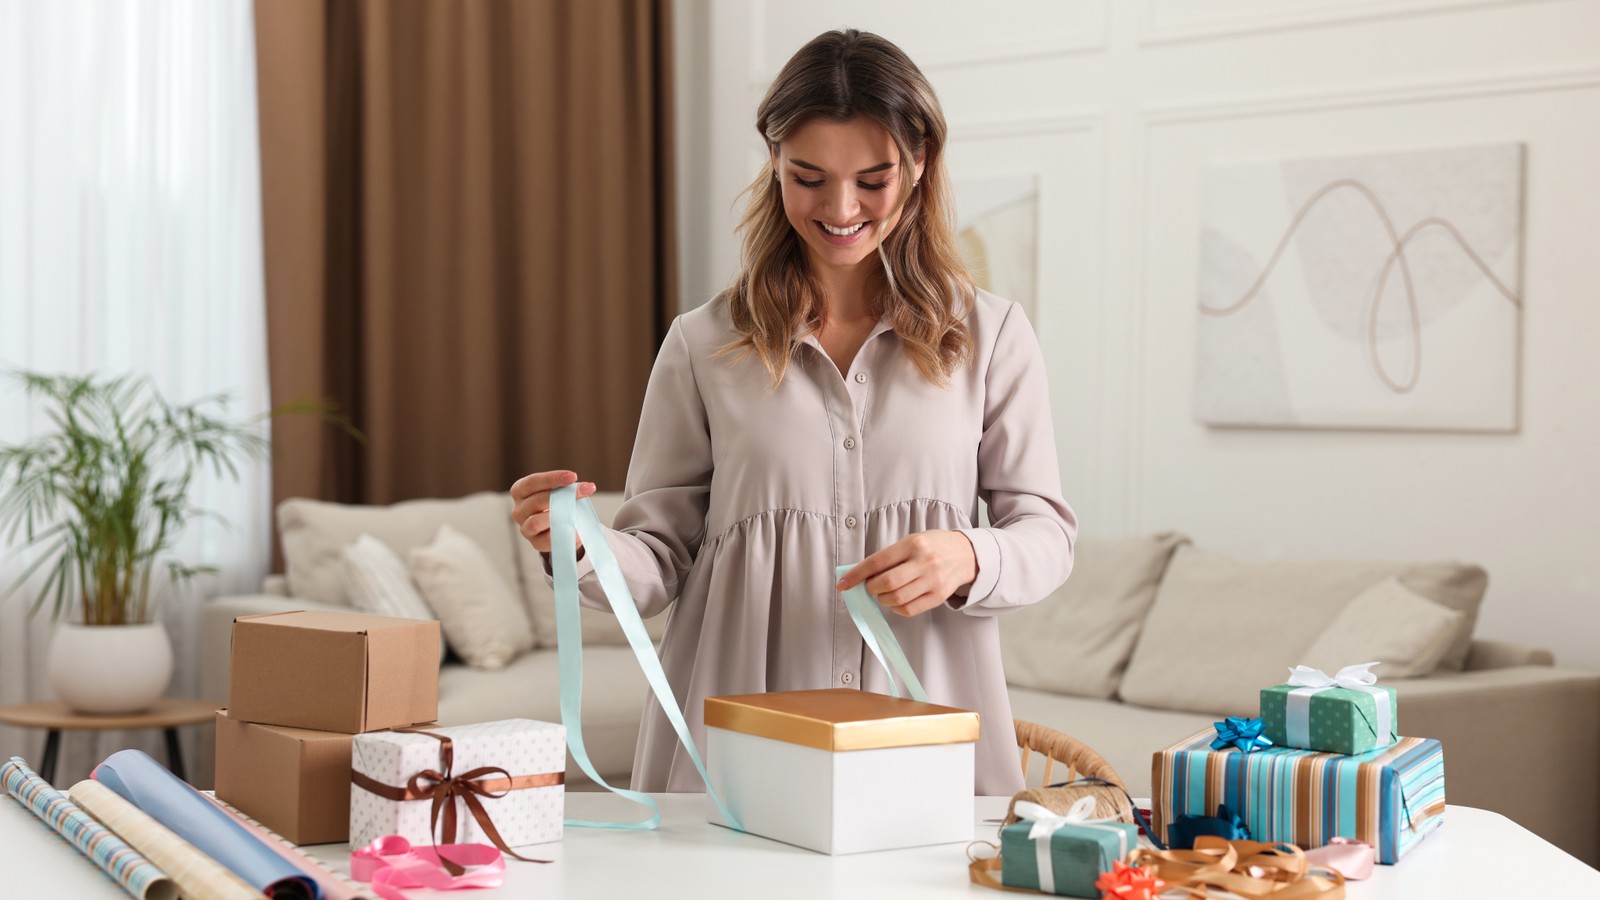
(842, 232)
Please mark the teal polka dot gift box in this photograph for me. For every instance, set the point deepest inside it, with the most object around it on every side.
(1343, 713)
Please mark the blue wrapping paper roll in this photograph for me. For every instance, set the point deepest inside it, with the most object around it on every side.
(164, 797)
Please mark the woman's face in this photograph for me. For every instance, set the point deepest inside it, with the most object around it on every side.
(840, 182)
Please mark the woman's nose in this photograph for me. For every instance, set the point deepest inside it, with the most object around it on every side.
(842, 203)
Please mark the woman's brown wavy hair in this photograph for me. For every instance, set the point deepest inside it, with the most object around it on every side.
(925, 289)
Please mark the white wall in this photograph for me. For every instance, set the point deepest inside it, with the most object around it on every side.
(1115, 106)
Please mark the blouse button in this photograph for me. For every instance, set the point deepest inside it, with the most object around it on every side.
(849, 521)
(847, 678)
(861, 378)
(849, 443)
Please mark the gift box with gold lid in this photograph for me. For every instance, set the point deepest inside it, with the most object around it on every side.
(843, 771)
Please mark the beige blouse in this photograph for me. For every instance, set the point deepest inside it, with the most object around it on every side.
(742, 499)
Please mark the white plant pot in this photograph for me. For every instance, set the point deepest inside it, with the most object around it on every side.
(106, 669)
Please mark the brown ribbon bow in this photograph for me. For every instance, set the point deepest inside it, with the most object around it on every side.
(441, 786)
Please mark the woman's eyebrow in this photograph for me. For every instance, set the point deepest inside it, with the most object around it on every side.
(816, 168)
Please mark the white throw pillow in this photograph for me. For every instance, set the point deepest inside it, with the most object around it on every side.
(377, 582)
(482, 616)
(1389, 623)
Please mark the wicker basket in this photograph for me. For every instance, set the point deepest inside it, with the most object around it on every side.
(1079, 761)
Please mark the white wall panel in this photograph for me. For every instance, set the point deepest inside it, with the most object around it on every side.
(1183, 20)
(1066, 156)
(934, 33)
(1518, 504)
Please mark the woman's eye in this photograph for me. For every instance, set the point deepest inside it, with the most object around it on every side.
(865, 185)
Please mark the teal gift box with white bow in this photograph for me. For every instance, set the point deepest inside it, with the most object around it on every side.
(1062, 854)
(1346, 712)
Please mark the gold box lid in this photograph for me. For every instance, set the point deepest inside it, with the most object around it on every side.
(839, 719)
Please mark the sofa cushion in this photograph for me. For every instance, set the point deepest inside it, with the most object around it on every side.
(315, 533)
(482, 616)
(378, 582)
(1389, 624)
(1220, 630)
(598, 627)
(1078, 640)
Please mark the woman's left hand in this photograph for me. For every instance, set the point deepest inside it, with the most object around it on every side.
(914, 575)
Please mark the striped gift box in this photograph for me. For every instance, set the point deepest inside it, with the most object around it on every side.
(1390, 798)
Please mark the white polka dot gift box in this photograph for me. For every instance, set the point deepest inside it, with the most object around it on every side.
(509, 775)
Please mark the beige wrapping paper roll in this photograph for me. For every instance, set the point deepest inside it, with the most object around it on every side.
(198, 876)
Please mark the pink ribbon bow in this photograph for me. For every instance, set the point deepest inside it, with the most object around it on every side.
(391, 864)
(1349, 857)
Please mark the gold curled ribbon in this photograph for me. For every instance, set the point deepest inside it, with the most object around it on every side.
(441, 787)
(1252, 870)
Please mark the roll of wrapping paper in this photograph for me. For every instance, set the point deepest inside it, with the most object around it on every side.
(164, 797)
(197, 875)
(138, 876)
(334, 886)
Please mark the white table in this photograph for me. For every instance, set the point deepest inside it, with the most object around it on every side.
(1475, 854)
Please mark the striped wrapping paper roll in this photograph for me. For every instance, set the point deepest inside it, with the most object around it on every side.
(137, 875)
(1390, 798)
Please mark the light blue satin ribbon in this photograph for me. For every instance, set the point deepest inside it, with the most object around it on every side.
(868, 616)
(570, 517)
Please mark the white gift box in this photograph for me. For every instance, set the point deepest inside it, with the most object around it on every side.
(532, 753)
(842, 771)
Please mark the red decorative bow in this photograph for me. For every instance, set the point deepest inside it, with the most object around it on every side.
(1125, 882)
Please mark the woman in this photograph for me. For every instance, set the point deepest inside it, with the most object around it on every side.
(850, 398)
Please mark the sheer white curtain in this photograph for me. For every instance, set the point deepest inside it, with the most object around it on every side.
(130, 241)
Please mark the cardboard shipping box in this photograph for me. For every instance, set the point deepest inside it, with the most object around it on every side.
(295, 781)
(334, 671)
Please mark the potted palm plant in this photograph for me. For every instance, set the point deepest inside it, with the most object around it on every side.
(105, 493)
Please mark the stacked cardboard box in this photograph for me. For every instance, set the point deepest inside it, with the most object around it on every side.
(303, 685)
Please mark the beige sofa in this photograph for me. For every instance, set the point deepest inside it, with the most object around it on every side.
(1150, 640)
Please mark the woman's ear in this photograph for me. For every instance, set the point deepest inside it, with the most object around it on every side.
(922, 163)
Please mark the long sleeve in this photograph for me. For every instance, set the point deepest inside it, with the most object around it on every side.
(659, 527)
(1027, 551)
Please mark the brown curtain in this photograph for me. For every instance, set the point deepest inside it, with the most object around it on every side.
(468, 219)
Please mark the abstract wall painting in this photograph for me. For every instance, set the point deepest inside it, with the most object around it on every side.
(1378, 291)
(997, 229)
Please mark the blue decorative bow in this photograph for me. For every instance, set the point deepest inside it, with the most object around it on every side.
(1238, 731)
(1225, 824)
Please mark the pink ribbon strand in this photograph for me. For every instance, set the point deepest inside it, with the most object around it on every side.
(392, 865)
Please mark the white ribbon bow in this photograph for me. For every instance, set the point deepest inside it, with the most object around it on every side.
(1309, 682)
(1045, 824)
(1354, 677)
(1046, 821)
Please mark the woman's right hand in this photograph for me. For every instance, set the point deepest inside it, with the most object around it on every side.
(530, 497)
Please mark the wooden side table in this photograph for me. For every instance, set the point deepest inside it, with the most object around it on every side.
(55, 717)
